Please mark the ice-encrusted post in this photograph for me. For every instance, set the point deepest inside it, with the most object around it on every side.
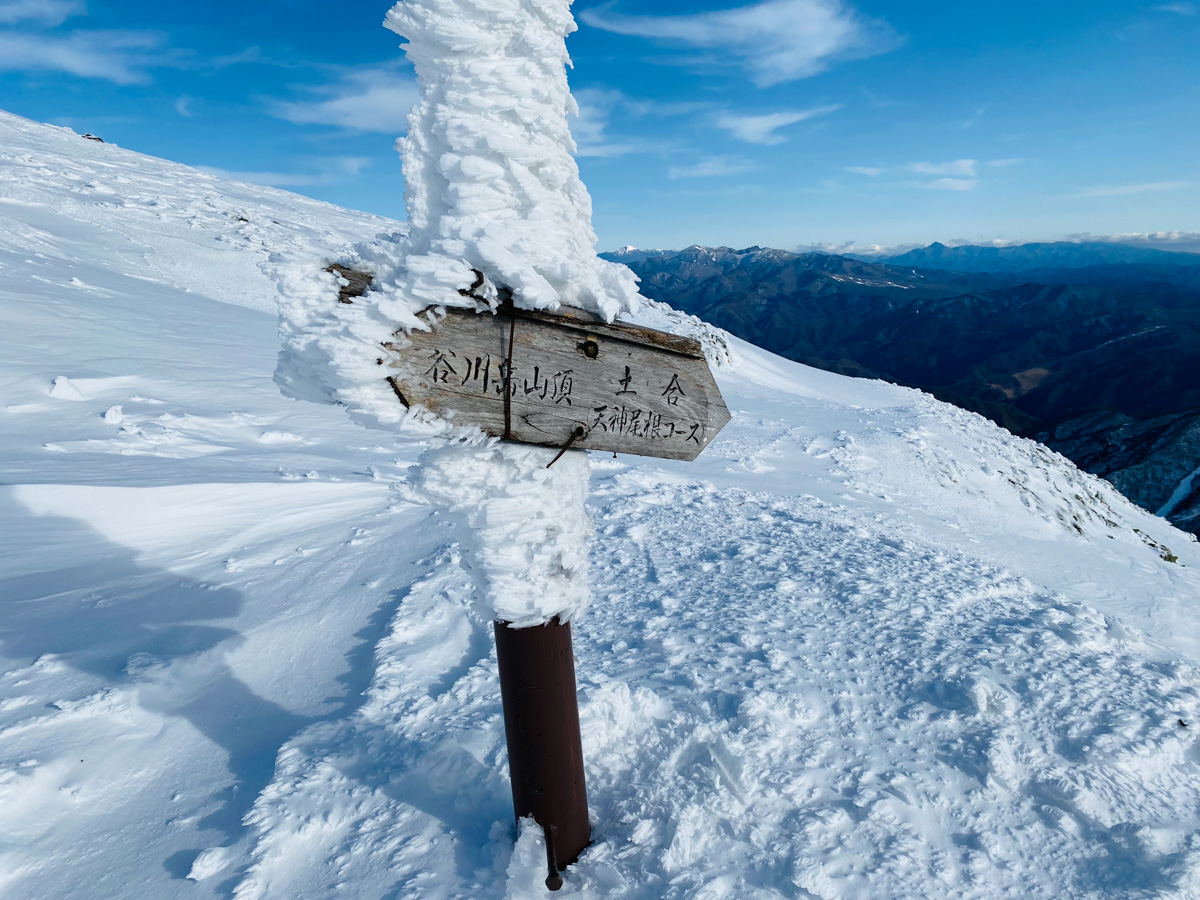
(496, 209)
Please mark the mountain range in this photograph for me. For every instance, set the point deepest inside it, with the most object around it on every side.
(1093, 349)
(1023, 258)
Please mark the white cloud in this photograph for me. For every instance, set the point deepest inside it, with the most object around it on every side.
(43, 12)
(597, 109)
(254, 56)
(845, 248)
(376, 99)
(330, 170)
(183, 106)
(1179, 241)
(120, 56)
(762, 129)
(1004, 163)
(958, 168)
(775, 40)
(970, 121)
(714, 166)
(948, 184)
(1182, 9)
(957, 175)
(590, 127)
(1120, 190)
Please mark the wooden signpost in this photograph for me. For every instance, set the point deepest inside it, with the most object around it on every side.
(565, 380)
(562, 379)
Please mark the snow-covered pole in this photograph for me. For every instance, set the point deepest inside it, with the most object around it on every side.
(453, 333)
(496, 209)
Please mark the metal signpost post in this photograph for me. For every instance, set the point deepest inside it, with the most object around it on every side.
(572, 381)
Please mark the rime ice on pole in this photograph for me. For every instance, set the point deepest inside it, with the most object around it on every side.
(491, 181)
(491, 185)
(523, 528)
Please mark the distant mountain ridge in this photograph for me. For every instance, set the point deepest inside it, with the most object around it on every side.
(1030, 257)
(1097, 357)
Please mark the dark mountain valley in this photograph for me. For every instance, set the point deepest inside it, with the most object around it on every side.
(1092, 349)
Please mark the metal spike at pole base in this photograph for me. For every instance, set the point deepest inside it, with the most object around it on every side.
(541, 725)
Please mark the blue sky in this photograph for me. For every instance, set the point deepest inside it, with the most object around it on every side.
(782, 123)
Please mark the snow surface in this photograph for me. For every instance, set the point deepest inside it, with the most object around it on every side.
(866, 646)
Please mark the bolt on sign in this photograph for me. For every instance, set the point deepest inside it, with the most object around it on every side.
(561, 379)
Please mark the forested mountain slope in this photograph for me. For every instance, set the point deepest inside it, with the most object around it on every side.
(1101, 362)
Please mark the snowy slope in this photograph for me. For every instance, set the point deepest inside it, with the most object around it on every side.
(867, 646)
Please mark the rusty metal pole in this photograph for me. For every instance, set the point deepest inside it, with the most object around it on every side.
(541, 725)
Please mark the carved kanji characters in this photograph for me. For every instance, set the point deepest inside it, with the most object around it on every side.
(674, 391)
(441, 369)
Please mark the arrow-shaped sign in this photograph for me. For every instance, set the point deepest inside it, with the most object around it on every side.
(560, 379)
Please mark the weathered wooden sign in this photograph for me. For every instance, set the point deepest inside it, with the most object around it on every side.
(562, 379)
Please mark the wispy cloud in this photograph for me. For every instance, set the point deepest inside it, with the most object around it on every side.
(41, 12)
(599, 108)
(1182, 9)
(255, 56)
(955, 175)
(947, 184)
(774, 40)
(31, 44)
(1005, 163)
(329, 170)
(968, 121)
(590, 127)
(372, 99)
(1120, 190)
(763, 129)
(124, 57)
(845, 248)
(1179, 241)
(959, 167)
(713, 166)
(183, 106)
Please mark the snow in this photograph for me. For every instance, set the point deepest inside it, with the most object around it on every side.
(866, 645)
(496, 210)
(490, 177)
(1182, 491)
(521, 515)
(493, 198)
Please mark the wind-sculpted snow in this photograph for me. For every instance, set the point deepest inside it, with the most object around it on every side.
(496, 211)
(866, 645)
(494, 203)
(522, 523)
(490, 177)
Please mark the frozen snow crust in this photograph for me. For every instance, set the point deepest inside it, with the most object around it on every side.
(865, 646)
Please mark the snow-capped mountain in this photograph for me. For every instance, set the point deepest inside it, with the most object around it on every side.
(867, 645)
